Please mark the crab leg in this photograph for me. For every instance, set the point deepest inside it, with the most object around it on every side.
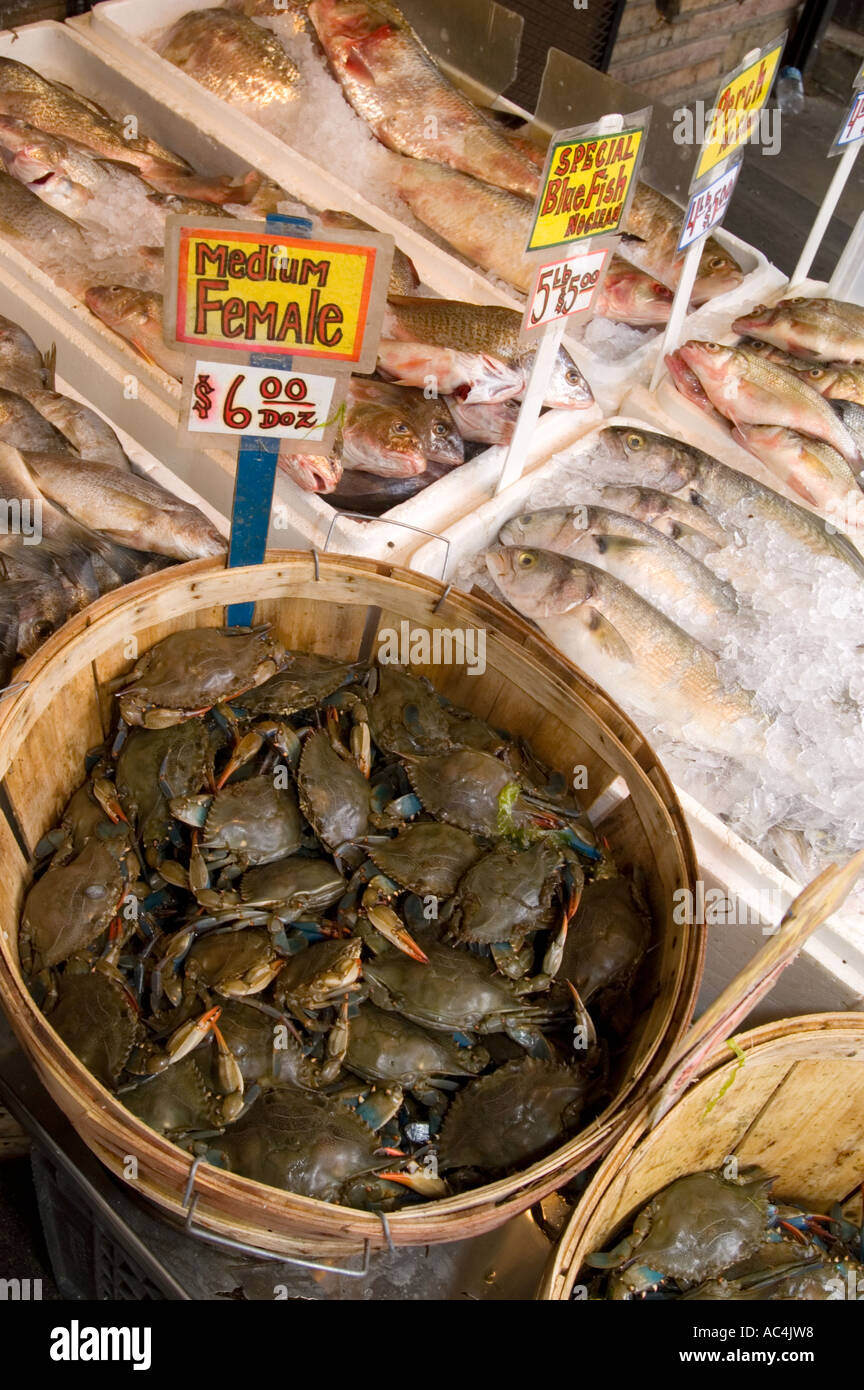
(385, 920)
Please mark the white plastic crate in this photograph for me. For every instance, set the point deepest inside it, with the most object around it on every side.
(126, 27)
(760, 891)
(145, 400)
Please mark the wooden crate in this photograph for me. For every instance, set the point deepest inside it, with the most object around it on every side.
(332, 604)
(795, 1107)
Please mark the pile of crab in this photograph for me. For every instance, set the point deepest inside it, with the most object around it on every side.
(315, 923)
(709, 1236)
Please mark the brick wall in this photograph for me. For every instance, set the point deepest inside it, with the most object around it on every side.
(678, 59)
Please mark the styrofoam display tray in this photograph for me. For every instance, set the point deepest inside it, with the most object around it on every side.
(759, 891)
(140, 397)
(127, 26)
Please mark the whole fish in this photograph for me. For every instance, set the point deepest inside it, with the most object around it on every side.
(24, 426)
(34, 226)
(137, 316)
(89, 435)
(74, 182)
(486, 422)
(487, 328)
(629, 295)
(824, 330)
(652, 228)
(808, 467)
(711, 487)
(652, 564)
(432, 422)
(475, 375)
(837, 381)
(393, 83)
(76, 547)
(233, 57)
(403, 275)
(56, 110)
(131, 511)
(750, 391)
(629, 648)
(21, 362)
(693, 530)
(465, 211)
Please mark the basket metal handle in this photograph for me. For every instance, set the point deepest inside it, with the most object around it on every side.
(386, 521)
(190, 1201)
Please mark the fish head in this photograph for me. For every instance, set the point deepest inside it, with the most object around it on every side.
(118, 304)
(759, 317)
(538, 582)
(441, 441)
(384, 439)
(42, 608)
(655, 460)
(311, 472)
(718, 274)
(567, 389)
(635, 297)
(709, 362)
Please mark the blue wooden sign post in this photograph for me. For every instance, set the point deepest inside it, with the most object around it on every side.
(256, 466)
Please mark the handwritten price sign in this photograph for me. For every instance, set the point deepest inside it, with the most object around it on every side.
(272, 403)
(706, 209)
(563, 288)
(852, 128)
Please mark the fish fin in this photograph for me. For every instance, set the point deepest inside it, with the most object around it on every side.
(49, 363)
(604, 544)
(607, 637)
(798, 486)
(108, 163)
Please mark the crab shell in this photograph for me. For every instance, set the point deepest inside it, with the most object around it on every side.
(427, 858)
(512, 1117)
(699, 1226)
(405, 716)
(508, 895)
(97, 1019)
(383, 1046)
(179, 758)
(295, 886)
(175, 1100)
(462, 788)
(254, 819)
(607, 939)
(310, 978)
(72, 904)
(304, 679)
(334, 794)
(300, 1141)
(226, 958)
(189, 672)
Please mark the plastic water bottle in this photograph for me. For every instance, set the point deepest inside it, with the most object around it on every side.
(790, 92)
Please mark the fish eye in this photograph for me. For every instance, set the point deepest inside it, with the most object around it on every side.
(439, 428)
(635, 441)
(711, 347)
(43, 628)
(400, 427)
(816, 373)
(799, 300)
(526, 559)
(572, 376)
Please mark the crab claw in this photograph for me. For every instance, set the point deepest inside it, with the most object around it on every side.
(189, 1035)
(384, 919)
(243, 752)
(583, 1015)
(421, 1183)
(106, 794)
(361, 747)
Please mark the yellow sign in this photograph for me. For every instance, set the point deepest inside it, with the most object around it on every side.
(240, 287)
(586, 188)
(737, 107)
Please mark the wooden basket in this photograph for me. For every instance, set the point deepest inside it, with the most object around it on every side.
(794, 1106)
(335, 605)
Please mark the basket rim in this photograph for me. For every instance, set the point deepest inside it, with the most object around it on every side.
(498, 1200)
(557, 1282)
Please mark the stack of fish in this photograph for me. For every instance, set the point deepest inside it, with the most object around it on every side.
(793, 392)
(623, 588)
(463, 171)
(454, 374)
(76, 520)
